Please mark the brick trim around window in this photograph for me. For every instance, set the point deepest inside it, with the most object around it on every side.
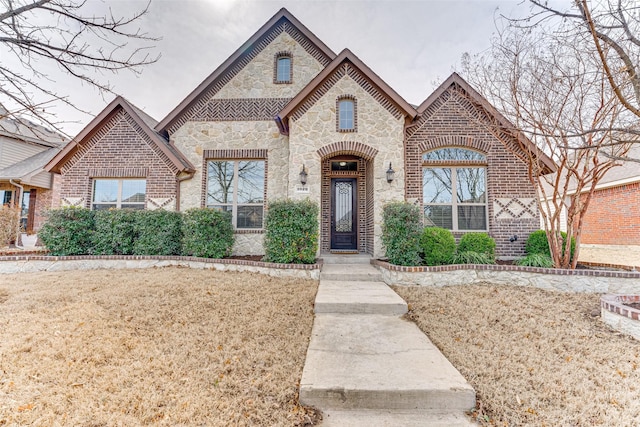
(355, 113)
(278, 56)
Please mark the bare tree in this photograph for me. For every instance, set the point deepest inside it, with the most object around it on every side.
(557, 96)
(38, 36)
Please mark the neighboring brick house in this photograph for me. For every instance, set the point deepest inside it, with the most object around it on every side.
(25, 149)
(613, 216)
(285, 117)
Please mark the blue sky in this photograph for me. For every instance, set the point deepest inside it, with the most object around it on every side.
(412, 45)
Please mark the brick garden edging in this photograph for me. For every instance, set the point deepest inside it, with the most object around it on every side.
(592, 281)
(619, 316)
(35, 263)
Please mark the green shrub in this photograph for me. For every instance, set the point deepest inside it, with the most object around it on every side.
(472, 257)
(68, 231)
(291, 232)
(401, 231)
(9, 224)
(438, 246)
(478, 242)
(536, 260)
(158, 232)
(115, 232)
(537, 243)
(207, 233)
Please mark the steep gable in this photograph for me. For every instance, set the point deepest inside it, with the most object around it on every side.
(455, 93)
(120, 111)
(345, 64)
(243, 87)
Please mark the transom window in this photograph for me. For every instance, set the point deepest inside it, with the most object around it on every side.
(283, 69)
(237, 186)
(454, 189)
(346, 115)
(118, 194)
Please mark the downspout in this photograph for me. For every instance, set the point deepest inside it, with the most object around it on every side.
(12, 182)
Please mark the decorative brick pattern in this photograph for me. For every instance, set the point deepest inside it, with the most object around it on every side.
(166, 203)
(454, 120)
(248, 109)
(73, 202)
(514, 207)
(348, 148)
(226, 77)
(363, 82)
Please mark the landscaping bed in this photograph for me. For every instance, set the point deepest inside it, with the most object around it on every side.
(161, 346)
(535, 357)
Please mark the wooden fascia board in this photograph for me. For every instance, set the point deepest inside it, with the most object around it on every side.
(502, 120)
(98, 121)
(242, 50)
(345, 55)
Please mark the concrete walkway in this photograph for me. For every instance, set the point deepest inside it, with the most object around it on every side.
(366, 366)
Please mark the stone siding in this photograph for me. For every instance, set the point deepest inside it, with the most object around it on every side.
(453, 120)
(378, 131)
(256, 79)
(120, 149)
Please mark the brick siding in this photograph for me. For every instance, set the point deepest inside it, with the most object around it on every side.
(613, 216)
(119, 149)
(454, 120)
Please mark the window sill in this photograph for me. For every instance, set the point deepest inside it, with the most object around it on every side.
(248, 231)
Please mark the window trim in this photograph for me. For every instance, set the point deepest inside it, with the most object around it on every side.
(118, 204)
(234, 204)
(352, 99)
(454, 165)
(277, 58)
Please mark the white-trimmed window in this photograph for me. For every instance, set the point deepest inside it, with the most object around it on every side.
(6, 197)
(237, 186)
(118, 194)
(283, 69)
(346, 114)
(454, 189)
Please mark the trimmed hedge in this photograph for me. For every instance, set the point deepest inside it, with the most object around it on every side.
(158, 232)
(478, 242)
(291, 232)
(401, 230)
(115, 232)
(537, 243)
(438, 246)
(207, 233)
(68, 231)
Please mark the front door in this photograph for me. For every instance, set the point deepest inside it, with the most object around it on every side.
(344, 234)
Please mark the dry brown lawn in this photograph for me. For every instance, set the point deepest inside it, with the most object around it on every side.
(169, 346)
(535, 357)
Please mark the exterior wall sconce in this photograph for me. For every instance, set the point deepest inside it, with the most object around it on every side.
(390, 174)
(303, 176)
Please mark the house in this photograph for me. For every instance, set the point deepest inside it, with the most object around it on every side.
(613, 215)
(25, 149)
(286, 117)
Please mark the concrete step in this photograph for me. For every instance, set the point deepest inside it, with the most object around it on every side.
(350, 272)
(379, 362)
(346, 258)
(336, 296)
(393, 418)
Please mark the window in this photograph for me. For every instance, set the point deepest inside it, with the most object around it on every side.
(237, 186)
(6, 197)
(454, 192)
(283, 69)
(346, 115)
(24, 209)
(118, 194)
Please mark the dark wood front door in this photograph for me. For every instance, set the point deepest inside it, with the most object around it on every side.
(344, 235)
